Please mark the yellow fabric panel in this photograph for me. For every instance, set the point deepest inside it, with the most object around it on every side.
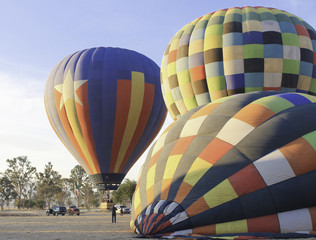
(160, 143)
(218, 94)
(151, 176)
(184, 78)
(171, 166)
(192, 126)
(273, 65)
(137, 201)
(68, 89)
(196, 46)
(213, 30)
(169, 97)
(186, 90)
(219, 13)
(196, 171)
(213, 42)
(220, 194)
(304, 82)
(174, 44)
(164, 74)
(172, 68)
(233, 52)
(165, 186)
(310, 97)
(239, 226)
(251, 25)
(232, 11)
(190, 103)
(181, 107)
(305, 42)
(136, 105)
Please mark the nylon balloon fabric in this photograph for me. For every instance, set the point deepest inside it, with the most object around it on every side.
(105, 105)
(237, 50)
(241, 164)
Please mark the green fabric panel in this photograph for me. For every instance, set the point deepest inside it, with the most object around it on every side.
(311, 139)
(290, 39)
(216, 83)
(275, 104)
(291, 66)
(253, 51)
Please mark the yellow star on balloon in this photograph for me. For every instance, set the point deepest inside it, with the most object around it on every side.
(68, 89)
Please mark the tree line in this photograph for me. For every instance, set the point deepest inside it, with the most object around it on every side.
(22, 185)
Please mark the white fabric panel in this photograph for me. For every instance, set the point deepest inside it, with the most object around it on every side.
(297, 220)
(291, 52)
(182, 232)
(202, 98)
(176, 94)
(170, 208)
(148, 210)
(272, 79)
(158, 205)
(178, 218)
(270, 25)
(182, 64)
(274, 168)
(192, 126)
(234, 66)
(159, 144)
(234, 131)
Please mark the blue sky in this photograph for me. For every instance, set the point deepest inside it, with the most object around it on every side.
(37, 34)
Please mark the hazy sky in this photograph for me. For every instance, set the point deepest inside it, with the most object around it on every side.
(37, 34)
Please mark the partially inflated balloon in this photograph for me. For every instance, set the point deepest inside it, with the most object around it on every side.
(245, 163)
(105, 105)
(238, 50)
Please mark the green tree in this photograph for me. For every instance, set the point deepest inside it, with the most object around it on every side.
(7, 192)
(124, 193)
(78, 178)
(20, 173)
(88, 193)
(48, 184)
(62, 195)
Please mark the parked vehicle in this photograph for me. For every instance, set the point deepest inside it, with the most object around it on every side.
(122, 209)
(73, 210)
(56, 210)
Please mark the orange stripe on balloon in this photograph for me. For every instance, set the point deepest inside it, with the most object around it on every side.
(153, 137)
(85, 123)
(148, 100)
(123, 99)
(64, 121)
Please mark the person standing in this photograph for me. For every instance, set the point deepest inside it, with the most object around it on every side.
(114, 214)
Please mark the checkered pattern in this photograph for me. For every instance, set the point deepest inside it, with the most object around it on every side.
(219, 161)
(238, 50)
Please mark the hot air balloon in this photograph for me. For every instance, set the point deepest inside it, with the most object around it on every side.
(237, 50)
(243, 163)
(105, 105)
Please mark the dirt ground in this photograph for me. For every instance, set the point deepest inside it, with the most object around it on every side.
(89, 225)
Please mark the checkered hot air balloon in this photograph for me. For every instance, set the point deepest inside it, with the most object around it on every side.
(237, 50)
(105, 105)
(242, 164)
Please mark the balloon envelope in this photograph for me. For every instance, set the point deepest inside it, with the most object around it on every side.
(237, 50)
(245, 163)
(105, 105)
